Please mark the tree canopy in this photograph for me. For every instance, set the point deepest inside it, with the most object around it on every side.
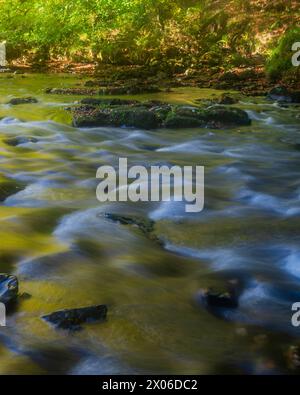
(173, 33)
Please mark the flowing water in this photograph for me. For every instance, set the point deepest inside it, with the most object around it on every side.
(66, 254)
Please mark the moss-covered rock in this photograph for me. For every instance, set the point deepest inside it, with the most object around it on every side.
(174, 121)
(152, 115)
(220, 116)
(124, 116)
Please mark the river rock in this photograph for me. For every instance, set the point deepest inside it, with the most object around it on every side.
(22, 100)
(153, 116)
(15, 141)
(144, 224)
(9, 289)
(214, 299)
(282, 94)
(174, 121)
(9, 187)
(72, 319)
(222, 117)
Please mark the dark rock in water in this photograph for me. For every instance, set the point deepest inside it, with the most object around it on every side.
(151, 115)
(279, 93)
(9, 187)
(145, 225)
(129, 117)
(9, 289)
(22, 100)
(72, 319)
(14, 141)
(135, 118)
(282, 94)
(174, 121)
(213, 299)
(219, 116)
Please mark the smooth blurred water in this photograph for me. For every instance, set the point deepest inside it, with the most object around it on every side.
(66, 254)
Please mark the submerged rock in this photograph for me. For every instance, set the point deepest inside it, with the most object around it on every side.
(22, 100)
(220, 117)
(175, 121)
(9, 187)
(14, 141)
(9, 288)
(214, 299)
(72, 319)
(144, 224)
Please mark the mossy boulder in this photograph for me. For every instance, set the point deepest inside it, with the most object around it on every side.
(118, 117)
(9, 187)
(282, 94)
(174, 121)
(220, 116)
(152, 115)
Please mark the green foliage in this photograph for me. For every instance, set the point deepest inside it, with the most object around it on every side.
(173, 34)
(280, 61)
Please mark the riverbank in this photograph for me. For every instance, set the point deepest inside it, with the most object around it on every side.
(251, 81)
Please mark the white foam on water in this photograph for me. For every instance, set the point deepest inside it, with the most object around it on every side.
(284, 207)
(292, 262)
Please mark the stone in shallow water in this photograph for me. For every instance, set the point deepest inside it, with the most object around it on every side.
(15, 141)
(9, 187)
(72, 319)
(162, 115)
(9, 289)
(213, 299)
(22, 100)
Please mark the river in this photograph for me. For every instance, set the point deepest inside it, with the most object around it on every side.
(66, 254)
